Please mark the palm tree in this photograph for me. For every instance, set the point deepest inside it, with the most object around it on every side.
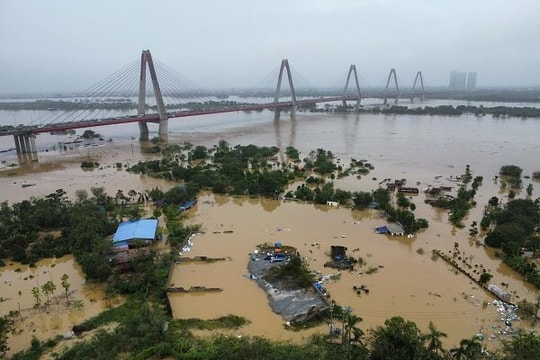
(48, 289)
(78, 304)
(524, 345)
(357, 336)
(351, 329)
(469, 349)
(66, 285)
(433, 338)
(37, 297)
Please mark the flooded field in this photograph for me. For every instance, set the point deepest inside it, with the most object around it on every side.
(85, 300)
(425, 150)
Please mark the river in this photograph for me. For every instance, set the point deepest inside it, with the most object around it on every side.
(424, 150)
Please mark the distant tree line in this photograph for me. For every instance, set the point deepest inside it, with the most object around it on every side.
(65, 105)
(116, 104)
(496, 111)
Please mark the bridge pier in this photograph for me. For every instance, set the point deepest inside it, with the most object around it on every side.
(33, 144)
(17, 144)
(163, 127)
(26, 144)
(143, 130)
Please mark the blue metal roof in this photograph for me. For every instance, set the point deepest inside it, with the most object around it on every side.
(144, 229)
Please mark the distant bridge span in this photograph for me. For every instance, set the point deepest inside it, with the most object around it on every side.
(154, 118)
(24, 136)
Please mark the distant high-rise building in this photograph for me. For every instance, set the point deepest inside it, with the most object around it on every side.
(459, 80)
(471, 80)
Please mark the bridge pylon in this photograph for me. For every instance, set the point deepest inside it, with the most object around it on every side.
(277, 93)
(392, 72)
(146, 59)
(420, 80)
(352, 72)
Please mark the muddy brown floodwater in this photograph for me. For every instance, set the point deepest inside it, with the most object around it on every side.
(408, 282)
(17, 280)
(427, 151)
(57, 318)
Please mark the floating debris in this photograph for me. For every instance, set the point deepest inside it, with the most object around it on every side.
(359, 289)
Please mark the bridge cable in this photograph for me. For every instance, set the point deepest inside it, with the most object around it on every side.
(179, 84)
(96, 92)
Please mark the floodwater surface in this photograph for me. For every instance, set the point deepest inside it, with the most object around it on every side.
(83, 300)
(408, 281)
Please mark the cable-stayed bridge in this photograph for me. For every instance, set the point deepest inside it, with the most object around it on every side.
(119, 91)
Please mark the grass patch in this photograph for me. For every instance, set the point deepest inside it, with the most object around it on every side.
(224, 322)
(112, 315)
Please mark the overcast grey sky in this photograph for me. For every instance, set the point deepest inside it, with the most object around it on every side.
(66, 45)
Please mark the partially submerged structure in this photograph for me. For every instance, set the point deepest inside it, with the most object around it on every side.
(394, 229)
(499, 293)
(293, 302)
(132, 235)
(186, 205)
(340, 260)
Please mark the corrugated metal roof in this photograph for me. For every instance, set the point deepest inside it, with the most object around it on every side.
(140, 229)
(394, 228)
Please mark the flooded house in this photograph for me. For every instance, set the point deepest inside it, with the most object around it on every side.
(132, 235)
(394, 229)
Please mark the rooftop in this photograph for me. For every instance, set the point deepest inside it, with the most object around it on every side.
(140, 229)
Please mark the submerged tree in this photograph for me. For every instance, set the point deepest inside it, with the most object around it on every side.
(48, 289)
(66, 285)
(484, 278)
(37, 297)
(78, 304)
